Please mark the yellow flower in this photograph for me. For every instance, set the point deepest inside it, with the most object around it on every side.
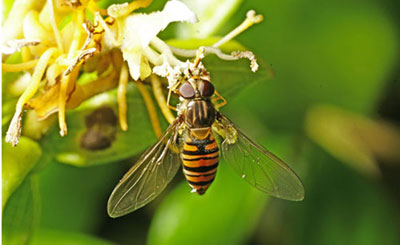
(59, 48)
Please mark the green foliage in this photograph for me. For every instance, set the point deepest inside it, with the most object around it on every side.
(17, 163)
(329, 52)
(322, 53)
(20, 216)
(342, 207)
(65, 238)
(74, 199)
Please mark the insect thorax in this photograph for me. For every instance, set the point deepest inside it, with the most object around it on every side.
(199, 114)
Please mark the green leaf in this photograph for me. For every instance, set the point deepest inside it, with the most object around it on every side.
(20, 214)
(17, 163)
(212, 14)
(354, 139)
(8, 110)
(337, 54)
(94, 135)
(341, 207)
(230, 206)
(45, 236)
(230, 78)
(75, 199)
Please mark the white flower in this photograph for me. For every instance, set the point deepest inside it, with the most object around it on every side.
(140, 29)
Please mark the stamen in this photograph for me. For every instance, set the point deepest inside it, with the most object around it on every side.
(164, 49)
(14, 130)
(26, 54)
(98, 19)
(54, 26)
(247, 55)
(251, 19)
(151, 109)
(67, 81)
(160, 98)
(207, 50)
(199, 56)
(84, 55)
(12, 46)
(122, 106)
(19, 67)
(88, 90)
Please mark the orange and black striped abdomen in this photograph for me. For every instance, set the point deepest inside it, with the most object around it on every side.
(200, 162)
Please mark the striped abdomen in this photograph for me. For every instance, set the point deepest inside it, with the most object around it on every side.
(200, 162)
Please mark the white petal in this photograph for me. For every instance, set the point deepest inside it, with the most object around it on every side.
(144, 27)
(134, 58)
(178, 11)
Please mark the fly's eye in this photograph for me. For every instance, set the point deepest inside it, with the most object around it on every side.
(186, 91)
(206, 89)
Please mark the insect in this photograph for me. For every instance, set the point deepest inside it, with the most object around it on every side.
(190, 140)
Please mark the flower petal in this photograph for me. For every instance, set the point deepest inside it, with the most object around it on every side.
(144, 27)
(134, 58)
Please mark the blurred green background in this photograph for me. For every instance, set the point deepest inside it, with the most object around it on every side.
(332, 112)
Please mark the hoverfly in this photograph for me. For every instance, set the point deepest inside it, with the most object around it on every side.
(190, 140)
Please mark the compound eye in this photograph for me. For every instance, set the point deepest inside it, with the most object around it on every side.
(186, 91)
(206, 89)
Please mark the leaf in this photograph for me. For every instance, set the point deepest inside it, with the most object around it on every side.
(339, 54)
(342, 207)
(75, 199)
(8, 109)
(232, 77)
(212, 14)
(20, 214)
(17, 163)
(230, 206)
(358, 141)
(46, 236)
(94, 135)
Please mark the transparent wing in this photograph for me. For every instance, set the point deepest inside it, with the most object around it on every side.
(149, 176)
(257, 165)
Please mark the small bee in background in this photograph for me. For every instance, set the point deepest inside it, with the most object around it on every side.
(190, 140)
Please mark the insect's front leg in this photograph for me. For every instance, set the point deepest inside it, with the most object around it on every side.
(218, 98)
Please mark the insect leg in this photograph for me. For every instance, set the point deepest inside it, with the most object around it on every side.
(216, 99)
(173, 88)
